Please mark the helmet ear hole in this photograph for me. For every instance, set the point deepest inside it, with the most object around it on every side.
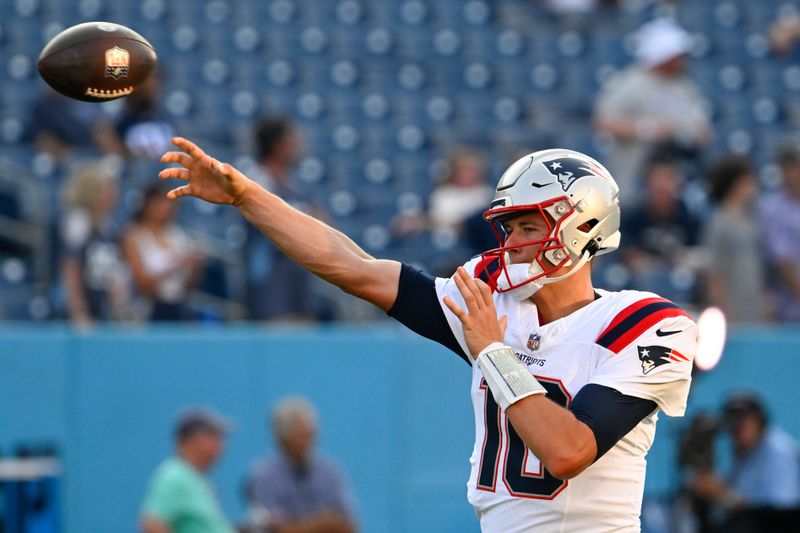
(593, 245)
(586, 227)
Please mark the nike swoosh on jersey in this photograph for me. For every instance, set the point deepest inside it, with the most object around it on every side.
(667, 333)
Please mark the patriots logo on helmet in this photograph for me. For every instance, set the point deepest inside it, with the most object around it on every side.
(569, 169)
(654, 356)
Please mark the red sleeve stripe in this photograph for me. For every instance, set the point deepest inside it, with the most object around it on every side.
(634, 320)
(628, 311)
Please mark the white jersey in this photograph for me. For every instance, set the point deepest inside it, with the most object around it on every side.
(634, 342)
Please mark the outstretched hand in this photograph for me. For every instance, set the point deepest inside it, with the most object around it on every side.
(208, 178)
(479, 322)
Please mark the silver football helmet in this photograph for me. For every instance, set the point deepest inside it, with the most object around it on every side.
(578, 199)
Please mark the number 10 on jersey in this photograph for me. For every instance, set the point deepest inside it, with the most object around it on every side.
(538, 485)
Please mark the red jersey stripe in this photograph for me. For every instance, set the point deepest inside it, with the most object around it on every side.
(643, 325)
(628, 311)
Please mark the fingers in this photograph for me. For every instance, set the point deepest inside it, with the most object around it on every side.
(485, 292)
(466, 293)
(460, 314)
(503, 326)
(177, 157)
(176, 173)
(187, 145)
(469, 289)
(180, 191)
(194, 155)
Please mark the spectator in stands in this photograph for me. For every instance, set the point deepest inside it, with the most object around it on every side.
(652, 106)
(661, 233)
(781, 222)
(461, 192)
(456, 202)
(733, 239)
(765, 479)
(165, 263)
(297, 490)
(58, 124)
(784, 33)
(277, 288)
(180, 498)
(93, 272)
(142, 128)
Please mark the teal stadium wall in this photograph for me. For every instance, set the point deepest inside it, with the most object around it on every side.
(395, 411)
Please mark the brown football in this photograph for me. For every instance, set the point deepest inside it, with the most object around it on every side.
(96, 61)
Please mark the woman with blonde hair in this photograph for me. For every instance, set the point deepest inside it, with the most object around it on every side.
(93, 273)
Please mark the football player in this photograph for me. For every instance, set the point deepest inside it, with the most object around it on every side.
(567, 380)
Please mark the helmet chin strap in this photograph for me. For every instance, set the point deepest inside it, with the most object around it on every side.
(521, 273)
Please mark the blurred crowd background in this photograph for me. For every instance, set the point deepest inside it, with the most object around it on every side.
(392, 121)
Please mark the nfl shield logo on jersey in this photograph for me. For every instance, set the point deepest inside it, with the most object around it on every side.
(533, 341)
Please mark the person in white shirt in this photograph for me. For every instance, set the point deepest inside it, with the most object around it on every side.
(165, 262)
(653, 105)
(567, 381)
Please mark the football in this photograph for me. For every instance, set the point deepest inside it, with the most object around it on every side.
(96, 61)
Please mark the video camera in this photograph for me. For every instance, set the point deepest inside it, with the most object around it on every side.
(696, 444)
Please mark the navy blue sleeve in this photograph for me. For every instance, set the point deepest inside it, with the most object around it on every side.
(417, 307)
(609, 413)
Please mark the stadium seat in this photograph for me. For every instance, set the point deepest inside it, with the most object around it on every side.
(349, 12)
(414, 12)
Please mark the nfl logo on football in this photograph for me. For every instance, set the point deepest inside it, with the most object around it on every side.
(117, 61)
(533, 341)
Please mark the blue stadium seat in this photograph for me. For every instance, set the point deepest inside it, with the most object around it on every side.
(790, 77)
(510, 43)
(508, 110)
(413, 12)
(344, 73)
(350, 12)
(282, 12)
(311, 105)
(439, 109)
(379, 41)
(731, 78)
(448, 42)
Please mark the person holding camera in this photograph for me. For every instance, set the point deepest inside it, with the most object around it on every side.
(763, 491)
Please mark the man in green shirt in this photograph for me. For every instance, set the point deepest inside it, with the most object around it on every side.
(180, 498)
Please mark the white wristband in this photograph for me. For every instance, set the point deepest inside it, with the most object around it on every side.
(508, 379)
